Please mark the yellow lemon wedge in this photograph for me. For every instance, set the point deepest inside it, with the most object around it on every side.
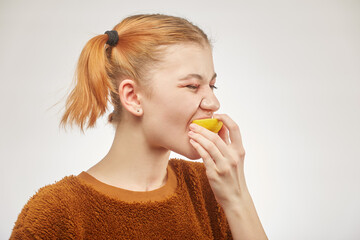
(211, 124)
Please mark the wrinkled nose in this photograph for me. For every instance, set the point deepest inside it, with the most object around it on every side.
(210, 103)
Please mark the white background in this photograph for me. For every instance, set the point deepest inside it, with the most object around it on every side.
(289, 75)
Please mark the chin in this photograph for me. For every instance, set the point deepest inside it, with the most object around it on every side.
(192, 154)
(189, 153)
(193, 159)
(185, 149)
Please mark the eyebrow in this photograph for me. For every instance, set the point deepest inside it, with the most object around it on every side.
(197, 76)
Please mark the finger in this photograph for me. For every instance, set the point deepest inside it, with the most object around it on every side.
(210, 148)
(210, 136)
(233, 128)
(224, 134)
(208, 161)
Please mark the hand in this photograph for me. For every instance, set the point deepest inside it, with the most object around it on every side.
(223, 158)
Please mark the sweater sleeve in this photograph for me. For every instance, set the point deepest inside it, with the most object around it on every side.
(45, 216)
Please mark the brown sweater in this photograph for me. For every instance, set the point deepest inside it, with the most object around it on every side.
(82, 207)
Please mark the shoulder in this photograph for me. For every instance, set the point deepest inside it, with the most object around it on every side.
(184, 166)
(48, 211)
(192, 173)
(56, 194)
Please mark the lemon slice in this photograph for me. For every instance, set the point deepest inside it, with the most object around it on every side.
(211, 124)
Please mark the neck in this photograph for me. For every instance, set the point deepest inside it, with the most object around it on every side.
(131, 162)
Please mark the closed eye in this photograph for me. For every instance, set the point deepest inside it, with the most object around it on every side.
(192, 86)
(196, 86)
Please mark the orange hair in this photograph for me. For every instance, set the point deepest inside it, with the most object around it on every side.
(101, 67)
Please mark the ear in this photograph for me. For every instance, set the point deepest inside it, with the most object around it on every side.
(129, 96)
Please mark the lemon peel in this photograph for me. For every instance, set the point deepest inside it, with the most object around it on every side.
(211, 124)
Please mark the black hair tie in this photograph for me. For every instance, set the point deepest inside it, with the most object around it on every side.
(113, 38)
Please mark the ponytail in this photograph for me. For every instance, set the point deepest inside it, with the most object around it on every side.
(88, 100)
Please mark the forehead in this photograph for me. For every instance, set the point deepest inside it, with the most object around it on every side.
(179, 60)
(183, 50)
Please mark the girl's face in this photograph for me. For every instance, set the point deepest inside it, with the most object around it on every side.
(182, 92)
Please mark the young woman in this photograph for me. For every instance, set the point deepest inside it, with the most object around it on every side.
(158, 72)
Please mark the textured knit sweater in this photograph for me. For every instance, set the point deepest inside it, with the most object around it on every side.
(82, 207)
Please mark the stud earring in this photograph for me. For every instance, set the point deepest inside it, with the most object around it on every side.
(138, 110)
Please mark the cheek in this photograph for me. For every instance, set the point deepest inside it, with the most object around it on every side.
(182, 112)
(180, 106)
(171, 113)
